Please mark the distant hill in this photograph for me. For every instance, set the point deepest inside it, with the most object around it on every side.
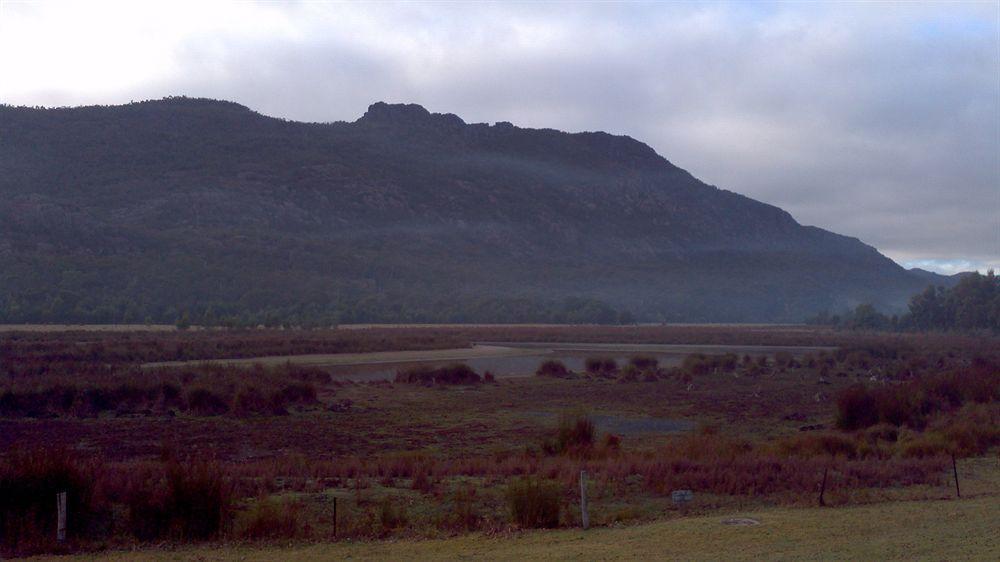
(151, 210)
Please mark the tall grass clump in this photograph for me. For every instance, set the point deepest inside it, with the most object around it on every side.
(29, 482)
(601, 366)
(644, 363)
(553, 368)
(458, 373)
(576, 431)
(201, 500)
(268, 518)
(534, 503)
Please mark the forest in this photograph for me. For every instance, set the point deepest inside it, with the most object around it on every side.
(972, 304)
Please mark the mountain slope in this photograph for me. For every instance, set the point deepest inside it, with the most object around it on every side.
(154, 208)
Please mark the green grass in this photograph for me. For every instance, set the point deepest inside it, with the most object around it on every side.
(929, 530)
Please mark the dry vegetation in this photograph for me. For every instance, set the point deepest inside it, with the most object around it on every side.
(253, 453)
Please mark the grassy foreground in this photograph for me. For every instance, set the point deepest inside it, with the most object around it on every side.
(939, 530)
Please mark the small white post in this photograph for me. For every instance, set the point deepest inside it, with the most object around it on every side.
(584, 516)
(61, 521)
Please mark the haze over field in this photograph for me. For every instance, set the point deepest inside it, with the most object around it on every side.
(876, 120)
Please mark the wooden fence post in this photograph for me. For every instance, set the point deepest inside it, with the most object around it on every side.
(822, 488)
(61, 516)
(334, 516)
(584, 516)
(954, 469)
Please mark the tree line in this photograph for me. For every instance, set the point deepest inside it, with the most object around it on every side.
(973, 304)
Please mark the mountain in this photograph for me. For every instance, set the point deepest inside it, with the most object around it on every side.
(153, 210)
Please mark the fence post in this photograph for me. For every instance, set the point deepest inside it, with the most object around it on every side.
(822, 488)
(584, 516)
(954, 469)
(334, 516)
(61, 516)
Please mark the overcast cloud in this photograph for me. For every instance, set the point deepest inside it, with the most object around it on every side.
(875, 120)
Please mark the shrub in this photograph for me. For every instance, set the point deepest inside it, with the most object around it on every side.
(553, 368)
(925, 445)
(250, 401)
(271, 519)
(696, 364)
(856, 408)
(204, 402)
(187, 501)
(297, 394)
(915, 401)
(629, 373)
(783, 359)
(420, 374)
(728, 362)
(170, 395)
(534, 504)
(391, 516)
(463, 515)
(576, 431)
(200, 499)
(602, 366)
(611, 442)
(644, 363)
(458, 373)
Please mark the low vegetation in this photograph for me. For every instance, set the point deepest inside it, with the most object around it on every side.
(182, 454)
(450, 374)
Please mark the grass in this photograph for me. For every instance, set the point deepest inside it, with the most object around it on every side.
(413, 461)
(928, 530)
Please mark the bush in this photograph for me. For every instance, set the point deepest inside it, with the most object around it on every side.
(576, 431)
(190, 501)
(250, 402)
(696, 364)
(629, 373)
(602, 366)
(644, 363)
(856, 408)
(553, 368)
(458, 373)
(271, 519)
(783, 359)
(204, 402)
(296, 394)
(200, 499)
(915, 401)
(611, 442)
(534, 504)
(390, 516)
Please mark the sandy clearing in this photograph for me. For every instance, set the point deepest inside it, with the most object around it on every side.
(353, 359)
(669, 349)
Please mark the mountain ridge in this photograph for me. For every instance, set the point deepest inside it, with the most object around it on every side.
(404, 208)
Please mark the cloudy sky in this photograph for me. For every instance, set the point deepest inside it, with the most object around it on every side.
(876, 120)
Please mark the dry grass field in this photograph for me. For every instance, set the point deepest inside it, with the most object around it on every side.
(435, 466)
